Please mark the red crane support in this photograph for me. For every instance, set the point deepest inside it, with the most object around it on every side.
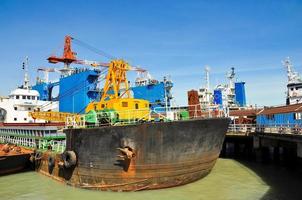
(68, 55)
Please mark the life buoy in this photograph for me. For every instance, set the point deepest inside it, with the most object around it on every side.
(69, 159)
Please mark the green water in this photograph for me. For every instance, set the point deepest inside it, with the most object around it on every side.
(229, 179)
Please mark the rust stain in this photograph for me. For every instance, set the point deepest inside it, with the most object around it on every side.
(129, 162)
(10, 150)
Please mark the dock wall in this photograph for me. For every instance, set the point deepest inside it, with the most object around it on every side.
(263, 145)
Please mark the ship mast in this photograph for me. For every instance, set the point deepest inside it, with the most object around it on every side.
(293, 77)
(231, 76)
(26, 78)
(231, 87)
(207, 81)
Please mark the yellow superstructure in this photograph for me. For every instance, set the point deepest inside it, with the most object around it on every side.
(126, 108)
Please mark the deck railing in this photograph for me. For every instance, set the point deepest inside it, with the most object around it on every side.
(241, 128)
(17, 141)
(145, 115)
(57, 146)
(272, 128)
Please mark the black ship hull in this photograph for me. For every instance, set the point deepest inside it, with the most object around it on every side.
(13, 163)
(143, 156)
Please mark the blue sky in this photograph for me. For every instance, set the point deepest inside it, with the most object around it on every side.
(167, 37)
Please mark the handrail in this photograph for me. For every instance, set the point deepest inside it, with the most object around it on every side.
(273, 128)
(57, 146)
(144, 115)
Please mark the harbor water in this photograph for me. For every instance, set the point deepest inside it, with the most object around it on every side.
(230, 179)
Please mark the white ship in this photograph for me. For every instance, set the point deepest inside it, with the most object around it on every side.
(294, 84)
(18, 127)
(223, 94)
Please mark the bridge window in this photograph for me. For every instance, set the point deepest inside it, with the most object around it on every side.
(23, 97)
(15, 119)
(17, 96)
(29, 108)
(28, 97)
(25, 119)
(103, 106)
(136, 106)
(15, 108)
(124, 104)
(33, 97)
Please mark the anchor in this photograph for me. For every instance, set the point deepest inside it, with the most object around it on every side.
(125, 157)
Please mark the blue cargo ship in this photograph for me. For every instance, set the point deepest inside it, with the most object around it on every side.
(80, 88)
(158, 93)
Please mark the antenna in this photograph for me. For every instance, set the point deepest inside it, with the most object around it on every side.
(231, 76)
(207, 76)
(207, 84)
(25, 68)
(292, 76)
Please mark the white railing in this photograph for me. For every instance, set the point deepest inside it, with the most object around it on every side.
(17, 141)
(241, 128)
(273, 128)
(57, 146)
(281, 128)
(202, 111)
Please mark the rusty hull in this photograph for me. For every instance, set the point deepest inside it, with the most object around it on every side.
(13, 158)
(139, 157)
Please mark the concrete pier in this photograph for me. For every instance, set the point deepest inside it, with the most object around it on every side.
(264, 144)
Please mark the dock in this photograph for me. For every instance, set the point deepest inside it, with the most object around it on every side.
(265, 143)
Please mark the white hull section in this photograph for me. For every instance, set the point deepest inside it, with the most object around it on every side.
(16, 108)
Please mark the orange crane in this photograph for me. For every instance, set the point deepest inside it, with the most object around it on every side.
(70, 57)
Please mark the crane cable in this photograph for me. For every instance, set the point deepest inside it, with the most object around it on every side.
(94, 49)
(100, 52)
